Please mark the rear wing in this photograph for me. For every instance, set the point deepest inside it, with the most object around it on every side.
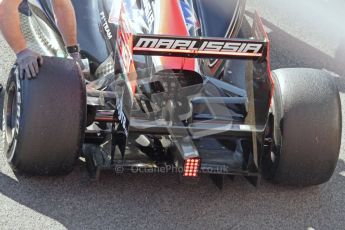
(256, 47)
(129, 44)
(198, 47)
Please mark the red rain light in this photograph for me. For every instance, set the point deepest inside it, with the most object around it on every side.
(191, 167)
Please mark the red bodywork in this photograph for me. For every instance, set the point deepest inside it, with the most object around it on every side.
(181, 59)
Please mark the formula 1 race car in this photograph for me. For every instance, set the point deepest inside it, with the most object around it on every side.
(180, 86)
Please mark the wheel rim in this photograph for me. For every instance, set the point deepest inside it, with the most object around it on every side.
(11, 114)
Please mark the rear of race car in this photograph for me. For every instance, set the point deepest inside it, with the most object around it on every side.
(176, 91)
(173, 116)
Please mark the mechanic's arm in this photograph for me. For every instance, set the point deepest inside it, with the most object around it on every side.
(10, 24)
(27, 60)
(67, 23)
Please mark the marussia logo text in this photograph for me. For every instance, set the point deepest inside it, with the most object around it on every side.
(199, 45)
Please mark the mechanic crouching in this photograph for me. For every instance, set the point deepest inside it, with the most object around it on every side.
(29, 61)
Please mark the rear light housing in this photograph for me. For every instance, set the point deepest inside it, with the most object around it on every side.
(191, 167)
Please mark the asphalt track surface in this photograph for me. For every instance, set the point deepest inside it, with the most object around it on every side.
(308, 33)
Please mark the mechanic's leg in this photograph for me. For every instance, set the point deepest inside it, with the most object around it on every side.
(66, 21)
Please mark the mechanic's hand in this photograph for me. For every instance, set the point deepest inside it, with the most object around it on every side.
(76, 57)
(28, 62)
